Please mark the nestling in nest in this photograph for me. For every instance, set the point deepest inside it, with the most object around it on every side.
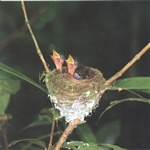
(75, 91)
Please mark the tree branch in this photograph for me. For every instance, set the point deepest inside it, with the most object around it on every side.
(33, 37)
(52, 133)
(5, 136)
(128, 65)
(72, 125)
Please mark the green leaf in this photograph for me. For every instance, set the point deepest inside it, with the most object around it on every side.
(4, 101)
(135, 83)
(109, 132)
(114, 147)
(44, 118)
(12, 71)
(86, 134)
(51, 111)
(116, 102)
(77, 145)
(8, 87)
(32, 141)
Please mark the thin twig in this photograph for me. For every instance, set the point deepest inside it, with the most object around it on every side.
(5, 136)
(128, 65)
(72, 125)
(33, 37)
(52, 134)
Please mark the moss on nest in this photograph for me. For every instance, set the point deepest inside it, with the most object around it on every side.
(75, 98)
(66, 88)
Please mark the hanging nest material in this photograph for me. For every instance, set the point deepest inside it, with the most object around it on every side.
(75, 98)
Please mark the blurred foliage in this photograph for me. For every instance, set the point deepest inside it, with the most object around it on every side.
(109, 133)
(11, 71)
(116, 102)
(104, 35)
(8, 87)
(36, 142)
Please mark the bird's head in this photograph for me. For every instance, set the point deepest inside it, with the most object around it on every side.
(58, 60)
(71, 65)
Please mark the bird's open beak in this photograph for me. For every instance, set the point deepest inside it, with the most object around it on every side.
(58, 60)
(71, 65)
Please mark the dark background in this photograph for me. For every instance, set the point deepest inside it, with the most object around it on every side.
(103, 35)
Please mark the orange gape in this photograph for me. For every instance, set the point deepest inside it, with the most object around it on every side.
(58, 60)
(71, 65)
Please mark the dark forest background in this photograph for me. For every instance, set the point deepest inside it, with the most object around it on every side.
(103, 35)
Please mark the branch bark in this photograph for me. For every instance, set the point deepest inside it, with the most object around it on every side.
(128, 65)
(52, 134)
(5, 136)
(72, 125)
(33, 37)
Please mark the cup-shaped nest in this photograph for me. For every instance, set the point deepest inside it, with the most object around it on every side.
(75, 98)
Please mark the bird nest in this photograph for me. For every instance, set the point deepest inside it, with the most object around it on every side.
(75, 98)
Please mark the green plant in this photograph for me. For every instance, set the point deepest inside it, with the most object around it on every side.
(89, 138)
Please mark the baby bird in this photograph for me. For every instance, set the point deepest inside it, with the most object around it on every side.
(58, 60)
(71, 65)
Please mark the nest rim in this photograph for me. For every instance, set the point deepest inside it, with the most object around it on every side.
(69, 87)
